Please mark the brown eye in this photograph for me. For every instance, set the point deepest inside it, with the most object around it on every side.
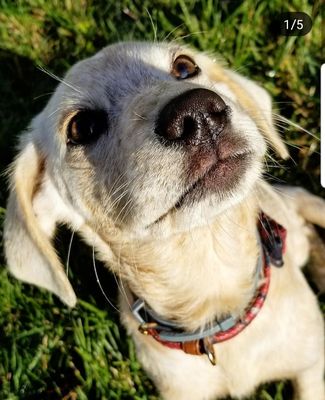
(184, 67)
(86, 127)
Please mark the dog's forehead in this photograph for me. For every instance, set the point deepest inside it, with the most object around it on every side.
(122, 68)
(140, 54)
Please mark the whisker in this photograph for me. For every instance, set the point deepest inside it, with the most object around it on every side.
(43, 95)
(180, 38)
(64, 81)
(99, 283)
(285, 120)
(69, 252)
(140, 117)
(272, 178)
(154, 27)
(118, 281)
(129, 201)
(172, 31)
(80, 168)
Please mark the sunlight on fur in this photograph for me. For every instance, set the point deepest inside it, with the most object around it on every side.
(155, 154)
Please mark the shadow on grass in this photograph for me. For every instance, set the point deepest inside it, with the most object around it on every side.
(24, 90)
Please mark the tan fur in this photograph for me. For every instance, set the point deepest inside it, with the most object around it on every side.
(26, 179)
(190, 264)
(252, 107)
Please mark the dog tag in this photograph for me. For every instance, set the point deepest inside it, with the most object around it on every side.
(209, 350)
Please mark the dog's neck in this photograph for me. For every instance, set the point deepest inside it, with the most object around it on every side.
(195, 277)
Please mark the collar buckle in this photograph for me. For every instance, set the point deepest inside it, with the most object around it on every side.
(146, 327)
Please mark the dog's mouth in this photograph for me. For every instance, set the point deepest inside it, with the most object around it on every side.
(219, 178)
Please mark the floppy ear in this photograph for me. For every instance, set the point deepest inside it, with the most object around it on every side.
(257, 103)
(34, 208)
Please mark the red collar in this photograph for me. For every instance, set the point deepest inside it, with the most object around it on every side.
(273, 240)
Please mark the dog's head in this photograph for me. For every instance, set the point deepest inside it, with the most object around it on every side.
(138, 142)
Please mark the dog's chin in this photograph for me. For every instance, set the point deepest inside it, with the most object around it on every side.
(222, 181)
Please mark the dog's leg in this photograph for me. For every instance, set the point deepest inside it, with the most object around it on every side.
(312, 209)
(316, 264)
(309, 206)
(309, 384)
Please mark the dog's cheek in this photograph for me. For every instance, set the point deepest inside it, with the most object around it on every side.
(154, 173)
(157, 183)
(243, 126)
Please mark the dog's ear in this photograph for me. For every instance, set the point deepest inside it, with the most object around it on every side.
(256, 102)
(34, 208)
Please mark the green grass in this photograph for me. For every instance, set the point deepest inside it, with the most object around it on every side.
(46, 350)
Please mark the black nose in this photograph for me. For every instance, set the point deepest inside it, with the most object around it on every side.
(192, 118)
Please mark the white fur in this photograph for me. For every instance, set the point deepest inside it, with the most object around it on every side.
(191, 264)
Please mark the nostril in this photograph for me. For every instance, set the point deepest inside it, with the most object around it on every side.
(190, 127)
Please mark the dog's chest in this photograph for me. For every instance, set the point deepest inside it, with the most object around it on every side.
(263, 352)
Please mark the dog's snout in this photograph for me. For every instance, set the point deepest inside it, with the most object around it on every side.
(192, 118)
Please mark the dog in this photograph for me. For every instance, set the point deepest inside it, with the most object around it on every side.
(154, 153)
